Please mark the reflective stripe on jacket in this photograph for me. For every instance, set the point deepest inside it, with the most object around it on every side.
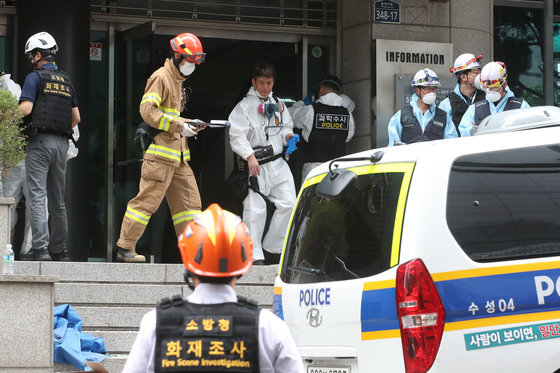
(160, 107)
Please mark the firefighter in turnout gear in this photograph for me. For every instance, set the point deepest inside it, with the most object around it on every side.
(466, 69)
(493, 79)
(421, 120)
(326, 125)
(165, 171)
(213, 329)
(48, 102)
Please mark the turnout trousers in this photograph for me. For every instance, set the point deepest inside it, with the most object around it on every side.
(177, 184)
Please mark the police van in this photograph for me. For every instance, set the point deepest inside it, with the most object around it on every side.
(440, 256)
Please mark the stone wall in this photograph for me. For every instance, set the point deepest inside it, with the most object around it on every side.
(468, 25)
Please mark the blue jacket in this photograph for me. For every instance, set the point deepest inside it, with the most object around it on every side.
(395, 129)
(468, 119)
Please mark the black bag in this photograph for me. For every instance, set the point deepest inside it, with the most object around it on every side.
(236, 187)
(144, 136)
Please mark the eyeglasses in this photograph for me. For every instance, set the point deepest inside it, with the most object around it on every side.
(196, 57)
(429, 89)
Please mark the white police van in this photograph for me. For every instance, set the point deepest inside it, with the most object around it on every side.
(433, 257)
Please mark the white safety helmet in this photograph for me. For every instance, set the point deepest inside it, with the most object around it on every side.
(466, 61)
(425, 77)
(493, 75)
(41, 40)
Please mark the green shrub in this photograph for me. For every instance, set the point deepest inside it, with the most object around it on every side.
(12, 141)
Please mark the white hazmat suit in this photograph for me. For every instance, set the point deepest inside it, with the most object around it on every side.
(248, 130)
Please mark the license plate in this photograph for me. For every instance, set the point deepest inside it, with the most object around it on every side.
(325, 369)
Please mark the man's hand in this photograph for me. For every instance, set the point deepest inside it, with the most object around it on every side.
(253, 165)
(188, 130)
(194, 123)
(289, 136)
(26, 107)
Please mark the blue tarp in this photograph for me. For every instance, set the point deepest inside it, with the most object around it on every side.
(71, 345)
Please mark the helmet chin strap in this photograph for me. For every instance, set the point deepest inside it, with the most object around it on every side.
(188, 279)
(177, 61)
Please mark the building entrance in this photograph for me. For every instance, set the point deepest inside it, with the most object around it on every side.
(215, 87)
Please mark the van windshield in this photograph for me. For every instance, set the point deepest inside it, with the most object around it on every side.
(344, 238)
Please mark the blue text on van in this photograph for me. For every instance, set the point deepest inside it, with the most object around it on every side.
(315, 297)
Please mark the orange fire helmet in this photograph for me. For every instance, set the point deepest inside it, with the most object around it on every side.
(189, 47)
(216, 243)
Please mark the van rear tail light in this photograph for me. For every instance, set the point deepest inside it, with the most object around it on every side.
(421, 316)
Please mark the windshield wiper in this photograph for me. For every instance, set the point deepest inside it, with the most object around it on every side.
(343, 266)
(311, 271)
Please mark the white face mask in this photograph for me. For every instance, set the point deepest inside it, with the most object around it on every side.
(477, 82)
(493, 96)
(429, 98)
(187, 69)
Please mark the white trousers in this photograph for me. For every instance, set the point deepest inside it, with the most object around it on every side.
(277, 184)
(14, 186)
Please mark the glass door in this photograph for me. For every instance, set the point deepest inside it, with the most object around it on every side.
(134, 56)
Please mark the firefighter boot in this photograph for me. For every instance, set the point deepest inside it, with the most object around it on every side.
(129, 256)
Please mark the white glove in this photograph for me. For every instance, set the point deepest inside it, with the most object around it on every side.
(196, 122)
(188, 130)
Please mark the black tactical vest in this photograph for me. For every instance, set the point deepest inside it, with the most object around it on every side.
(328, 134)
(412, 131)
(482, 108)
(193, 337)
(459, 106)
(52, 110)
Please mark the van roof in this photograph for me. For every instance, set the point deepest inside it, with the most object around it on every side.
(508, 138)
(520, 119)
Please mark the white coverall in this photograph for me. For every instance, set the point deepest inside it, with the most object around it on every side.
(247, 130)
(277, 350)
(303, 116)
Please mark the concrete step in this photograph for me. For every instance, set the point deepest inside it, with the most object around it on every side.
(133, 295)
(115, 294)
(95, 272)
(113, 364)
(111, 318)
(112, 298)
(117, 342)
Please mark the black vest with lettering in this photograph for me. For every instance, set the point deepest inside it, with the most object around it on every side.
(328, 134)
(459, 106)
(412, 131)
(482, 108)
(221, 337)
(52, 110)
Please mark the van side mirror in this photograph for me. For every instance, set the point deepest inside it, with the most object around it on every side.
(334, 183)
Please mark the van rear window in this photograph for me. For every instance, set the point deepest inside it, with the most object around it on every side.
(345, 238)
(505, 205)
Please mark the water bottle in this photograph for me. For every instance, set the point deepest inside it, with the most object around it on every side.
(8, 261)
